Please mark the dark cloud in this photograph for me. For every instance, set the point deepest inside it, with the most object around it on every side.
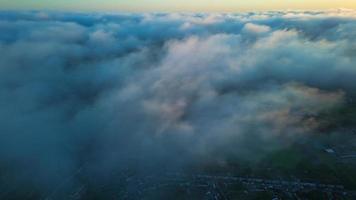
(161, 91)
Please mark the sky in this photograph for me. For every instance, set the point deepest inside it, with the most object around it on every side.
(176, 5)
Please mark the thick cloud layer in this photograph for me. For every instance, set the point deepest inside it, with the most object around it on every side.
(162, 91)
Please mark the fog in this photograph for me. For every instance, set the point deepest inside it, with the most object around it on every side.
(156, 91)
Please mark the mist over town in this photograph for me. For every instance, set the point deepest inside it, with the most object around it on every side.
(103, 105)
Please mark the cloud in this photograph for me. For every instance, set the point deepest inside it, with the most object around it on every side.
(106, 92)
(254, 28)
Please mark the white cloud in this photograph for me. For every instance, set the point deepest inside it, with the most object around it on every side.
(255, 28)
